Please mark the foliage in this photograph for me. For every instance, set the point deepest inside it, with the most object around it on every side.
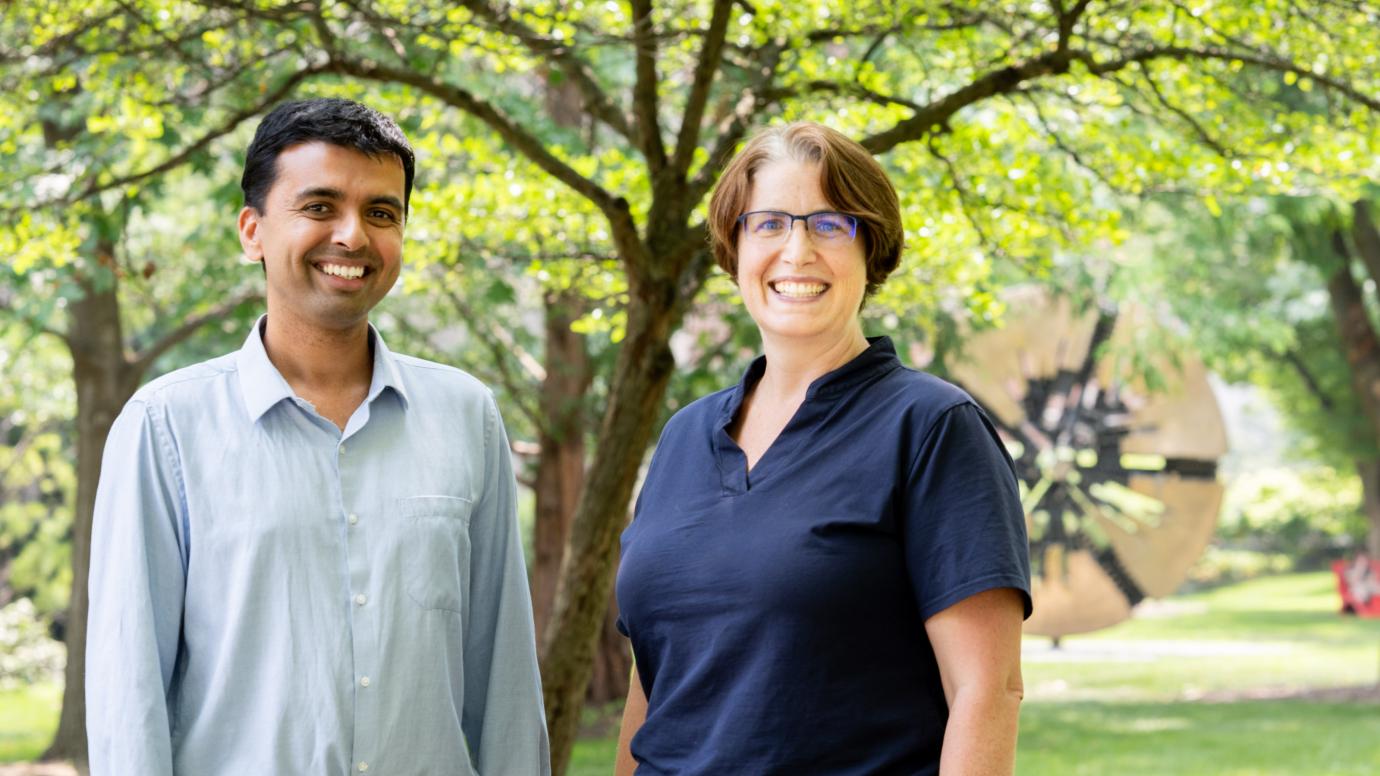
(27, 654)
(37, 481)
(1313, 514)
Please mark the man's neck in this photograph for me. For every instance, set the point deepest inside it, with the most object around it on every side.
(330, 368)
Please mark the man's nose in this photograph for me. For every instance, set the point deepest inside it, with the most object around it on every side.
(350, 233)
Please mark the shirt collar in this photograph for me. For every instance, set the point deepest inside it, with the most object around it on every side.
(879, 358)
(263, 385)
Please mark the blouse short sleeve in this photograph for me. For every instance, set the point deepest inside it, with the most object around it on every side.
(963, 524)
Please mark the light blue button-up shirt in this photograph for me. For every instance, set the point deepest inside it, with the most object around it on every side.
(270, 595)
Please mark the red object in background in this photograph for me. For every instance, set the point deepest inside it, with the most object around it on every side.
(1358, 580)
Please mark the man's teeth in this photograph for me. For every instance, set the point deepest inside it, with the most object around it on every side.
(799, 290)
(341, 271)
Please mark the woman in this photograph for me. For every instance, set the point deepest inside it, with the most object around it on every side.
(827, 569)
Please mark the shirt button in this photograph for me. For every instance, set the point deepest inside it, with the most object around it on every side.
(354, 519)
(361, 599)
(342, 452)
(363, 766)
(364, 681)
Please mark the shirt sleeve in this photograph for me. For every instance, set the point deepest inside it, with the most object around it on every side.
(964, 524)
(136, 592)
(503, 719)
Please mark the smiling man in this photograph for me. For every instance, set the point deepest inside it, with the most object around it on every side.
(306, 558)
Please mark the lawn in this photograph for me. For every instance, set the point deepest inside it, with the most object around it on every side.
(28, 717)
(1167, 693)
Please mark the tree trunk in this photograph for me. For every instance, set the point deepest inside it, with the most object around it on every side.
(560, 475)
(1362, 348)
(608, 681)
(641, 375)
(561, 463)
(1369, 472)
(104, 380)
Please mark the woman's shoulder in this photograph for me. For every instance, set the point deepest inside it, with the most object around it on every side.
(919, 392)
(700, 414)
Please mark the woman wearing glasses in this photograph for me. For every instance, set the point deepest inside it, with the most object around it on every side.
(827, 570)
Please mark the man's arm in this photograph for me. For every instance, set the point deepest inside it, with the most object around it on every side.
(977, 643)
(503, 720)
(136, 589)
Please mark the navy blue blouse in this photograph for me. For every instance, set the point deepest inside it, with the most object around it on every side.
(777, 616)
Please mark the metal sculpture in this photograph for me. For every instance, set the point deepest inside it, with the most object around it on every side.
(1118, 480)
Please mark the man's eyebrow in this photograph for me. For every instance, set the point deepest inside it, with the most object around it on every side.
(321, 192)
(387, 199)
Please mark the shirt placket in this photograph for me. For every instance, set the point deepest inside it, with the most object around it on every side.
(360, 524)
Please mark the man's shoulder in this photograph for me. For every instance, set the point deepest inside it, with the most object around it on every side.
(431, 376)
(187, 383)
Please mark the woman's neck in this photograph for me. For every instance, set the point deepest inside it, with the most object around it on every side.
(792, 365)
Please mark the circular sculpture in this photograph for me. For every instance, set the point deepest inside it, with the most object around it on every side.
(1118, 480)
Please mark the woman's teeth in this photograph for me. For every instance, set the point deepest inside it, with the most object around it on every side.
(798, 290)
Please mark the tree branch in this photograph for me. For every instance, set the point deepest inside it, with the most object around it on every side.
(1068, 150)
(176, 160)
(708, 65)
(755, 98)
(1004, 80)
(1366, 238)
(563, 56)
(645, 102)
(1310, 382)
(1188, 118)
(500, 347)
(615, 209)
(936, 114)
(145, 358)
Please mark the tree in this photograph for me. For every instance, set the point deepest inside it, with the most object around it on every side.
(981, 108)
(72, 277)
(1266, 292)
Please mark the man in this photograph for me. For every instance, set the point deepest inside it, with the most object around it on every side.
(306, 558)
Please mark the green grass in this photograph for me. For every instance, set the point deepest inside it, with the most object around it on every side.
(1275, 738)
(28, 718)
(1278, 632)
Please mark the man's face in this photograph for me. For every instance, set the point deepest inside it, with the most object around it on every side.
(330, 234)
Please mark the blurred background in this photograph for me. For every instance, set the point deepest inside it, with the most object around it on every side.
(1142, 234)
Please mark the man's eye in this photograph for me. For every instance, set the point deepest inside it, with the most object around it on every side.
(316, 207)
(384, 215)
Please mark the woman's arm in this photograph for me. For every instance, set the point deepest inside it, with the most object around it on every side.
(977, 643)
(634, 712)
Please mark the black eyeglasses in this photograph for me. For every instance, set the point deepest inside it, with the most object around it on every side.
(824, 226)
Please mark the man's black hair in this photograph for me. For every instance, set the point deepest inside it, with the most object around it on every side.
(339, 122)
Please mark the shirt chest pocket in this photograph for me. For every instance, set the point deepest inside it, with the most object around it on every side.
(436, 550)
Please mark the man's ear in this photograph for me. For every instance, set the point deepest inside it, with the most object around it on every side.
(249, 234)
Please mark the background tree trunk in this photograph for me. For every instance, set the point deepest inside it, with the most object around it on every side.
(635, 398)
(561, 462)
(1361, 345)
(560, 475)
(105, 380)
(1369, 472)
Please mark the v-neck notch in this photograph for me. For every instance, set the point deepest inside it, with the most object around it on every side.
(735, 477)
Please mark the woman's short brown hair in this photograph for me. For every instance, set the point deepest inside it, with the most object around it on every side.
(851, 180)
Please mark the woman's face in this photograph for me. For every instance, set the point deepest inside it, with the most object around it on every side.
(797, 288)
